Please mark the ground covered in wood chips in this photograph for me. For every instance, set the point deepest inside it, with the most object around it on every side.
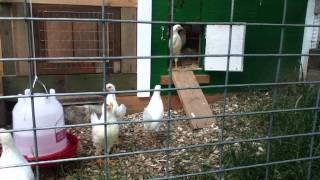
(182, 161)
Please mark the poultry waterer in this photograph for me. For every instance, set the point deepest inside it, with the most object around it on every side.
(52, 143)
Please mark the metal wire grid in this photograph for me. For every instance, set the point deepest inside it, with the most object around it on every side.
(32, 70)
(30, 20)
(73, 38)
(86, 42)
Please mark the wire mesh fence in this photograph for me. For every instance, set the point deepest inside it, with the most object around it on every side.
(269, 133)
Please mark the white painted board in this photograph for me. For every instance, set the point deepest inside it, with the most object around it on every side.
(217, 43)
(310, 37)
(144, 13)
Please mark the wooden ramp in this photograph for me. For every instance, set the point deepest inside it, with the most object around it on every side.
(193, 100)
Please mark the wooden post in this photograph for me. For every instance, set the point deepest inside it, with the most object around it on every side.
(1, 71)
(20, 41)
(129, 40)
(3, 119)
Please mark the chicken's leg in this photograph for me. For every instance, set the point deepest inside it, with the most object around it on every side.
(176, 63)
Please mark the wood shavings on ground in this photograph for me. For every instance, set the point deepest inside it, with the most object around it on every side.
(150, 165)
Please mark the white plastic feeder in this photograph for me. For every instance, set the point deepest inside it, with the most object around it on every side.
(48, 113)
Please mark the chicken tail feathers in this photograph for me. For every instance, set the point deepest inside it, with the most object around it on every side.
(121, 111)
(94, 118)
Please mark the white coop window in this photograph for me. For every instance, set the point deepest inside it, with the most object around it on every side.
(217, 43)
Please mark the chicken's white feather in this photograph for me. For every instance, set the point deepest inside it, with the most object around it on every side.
(98, 131)
(120, 111)
(94, 118)
(154, 111)
(176, 42)
(11, 156)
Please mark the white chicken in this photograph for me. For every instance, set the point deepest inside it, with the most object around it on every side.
(176, 43)
(120, 111)
(10, 157)
(98, 130)
(183, 36)
(154, 111)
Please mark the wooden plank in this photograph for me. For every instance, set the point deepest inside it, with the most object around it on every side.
(65, 39)
(1, 66)
(85, 39)
(59, 39)
(1, 72)
(129, 40)
(3, 118)
(20, 40)
(6, 36)
(314, 61)
(71, 83)
(85, 42)
(133, 103)
(111, 3)
(79, 39)
(116, 67)
(201, 78)
(194, 102)
(317, 7)
(313, 75)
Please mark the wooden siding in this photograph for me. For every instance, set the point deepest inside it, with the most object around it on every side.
(111, 3)
(1, 72)
(2, 104)
(133, 103)
(129, 40)
(75, 39)
(70, 83)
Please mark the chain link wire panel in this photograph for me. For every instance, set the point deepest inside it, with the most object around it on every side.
(269, 133)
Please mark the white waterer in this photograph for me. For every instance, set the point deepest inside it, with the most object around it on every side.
(48, 113)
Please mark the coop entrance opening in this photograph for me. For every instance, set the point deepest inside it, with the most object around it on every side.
(191, 35)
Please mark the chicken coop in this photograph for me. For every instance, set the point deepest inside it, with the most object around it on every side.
(242, 103)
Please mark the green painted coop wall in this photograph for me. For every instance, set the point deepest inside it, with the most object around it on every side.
(259, 39)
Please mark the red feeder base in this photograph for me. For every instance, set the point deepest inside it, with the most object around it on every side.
(68, 152)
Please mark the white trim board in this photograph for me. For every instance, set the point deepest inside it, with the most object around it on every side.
(307, 38)
(217, 43)
(144, 13)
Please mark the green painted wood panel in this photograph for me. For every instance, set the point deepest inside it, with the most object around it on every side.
(159, 47)
(259, 39)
